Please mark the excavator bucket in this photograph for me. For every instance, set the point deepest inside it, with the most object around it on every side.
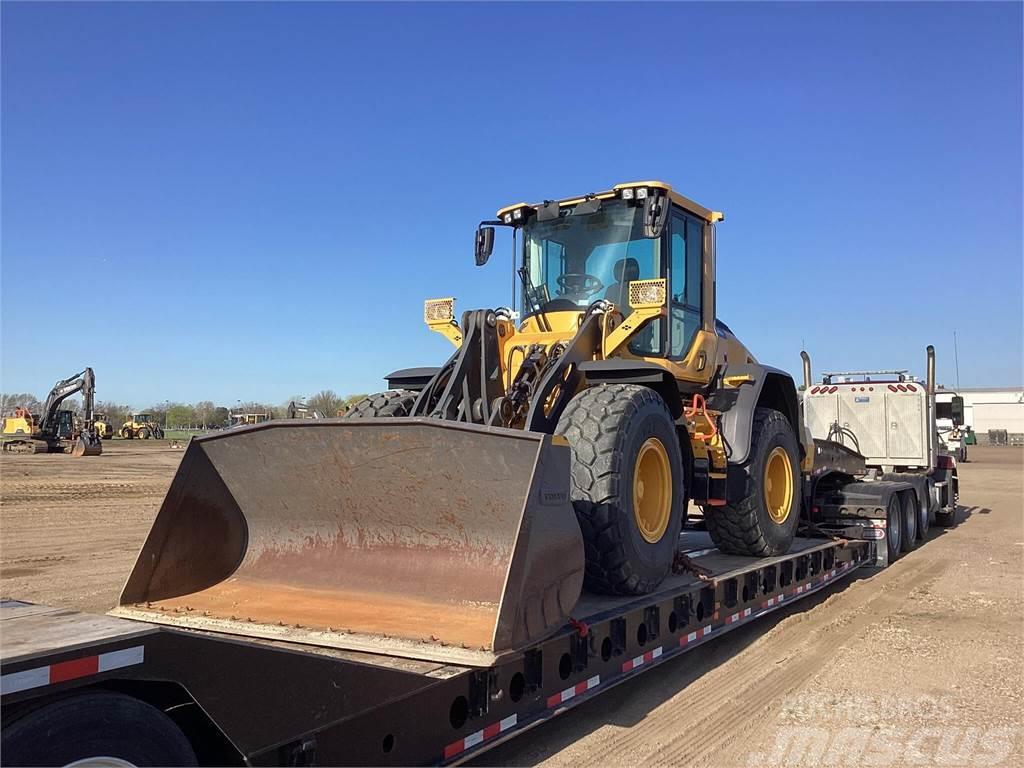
(412, 537)
(87, 445)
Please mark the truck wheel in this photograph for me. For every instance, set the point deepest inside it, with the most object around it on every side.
(97, 727)
(626, 485)
(764, 523)
(394, 402)
(923, 516)
(143, 434)
(893, 528)
(908, 517)
(126, 434)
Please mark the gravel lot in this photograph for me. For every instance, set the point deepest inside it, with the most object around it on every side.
(920, 664)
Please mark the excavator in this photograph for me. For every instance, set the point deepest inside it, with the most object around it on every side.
(462, 513)
(54, 431)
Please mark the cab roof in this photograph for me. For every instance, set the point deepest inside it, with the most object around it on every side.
(683, 202)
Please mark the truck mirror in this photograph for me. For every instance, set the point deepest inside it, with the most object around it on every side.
(484, 245)
(957, 410)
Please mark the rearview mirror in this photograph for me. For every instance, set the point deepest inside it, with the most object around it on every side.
(956, 410)
(655, 214)
(484, 245)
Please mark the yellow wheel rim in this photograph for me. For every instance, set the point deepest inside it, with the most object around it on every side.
(778, 485)
(652, 490)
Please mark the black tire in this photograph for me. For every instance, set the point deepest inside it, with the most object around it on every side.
(746, 527)
(394, 403)
(95, 725)
(143, 434)
(924, 518)
(894, 528)
(126, 434)
(909, 516)
(609, 428)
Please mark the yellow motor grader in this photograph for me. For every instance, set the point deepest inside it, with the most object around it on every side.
(459, 515)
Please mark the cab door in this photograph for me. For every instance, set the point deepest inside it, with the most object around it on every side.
(692, 340)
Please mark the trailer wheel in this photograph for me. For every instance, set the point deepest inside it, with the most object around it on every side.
(627, 485)
(764, 522)
(894, 528)
(908, 518)
(394, 402)
(98, 728)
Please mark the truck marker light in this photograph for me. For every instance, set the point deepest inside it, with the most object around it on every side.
(911, 387)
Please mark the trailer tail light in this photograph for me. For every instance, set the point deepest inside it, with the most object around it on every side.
(873, 534)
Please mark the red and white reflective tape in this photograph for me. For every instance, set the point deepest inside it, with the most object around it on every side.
(737, 616)
(773, 601)
(695, 635)
(492, 730)
(639, 661)
(568, 693)
(71, 670)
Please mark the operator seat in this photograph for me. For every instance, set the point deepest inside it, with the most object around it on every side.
(618, 293)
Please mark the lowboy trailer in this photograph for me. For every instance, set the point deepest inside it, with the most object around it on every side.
(76, 686)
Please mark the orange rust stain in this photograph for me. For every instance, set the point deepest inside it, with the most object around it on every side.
(471, 624)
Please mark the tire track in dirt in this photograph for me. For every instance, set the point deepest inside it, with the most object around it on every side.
(757, 682)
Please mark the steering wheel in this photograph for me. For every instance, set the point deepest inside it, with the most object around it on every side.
(579, 283)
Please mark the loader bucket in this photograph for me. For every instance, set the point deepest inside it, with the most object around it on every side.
(413, 537)
(87, 446)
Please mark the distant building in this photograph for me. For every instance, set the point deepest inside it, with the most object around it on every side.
(988, 408)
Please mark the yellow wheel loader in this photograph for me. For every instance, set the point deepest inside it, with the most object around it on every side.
(458, 515)
(103, 426)
(142, 426)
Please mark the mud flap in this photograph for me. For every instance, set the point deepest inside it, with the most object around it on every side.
(415, 537)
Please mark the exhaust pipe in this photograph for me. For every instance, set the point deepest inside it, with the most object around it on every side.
(807, 369)
(930, 383)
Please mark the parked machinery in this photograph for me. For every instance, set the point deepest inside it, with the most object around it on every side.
(54, 431)
(142, 426)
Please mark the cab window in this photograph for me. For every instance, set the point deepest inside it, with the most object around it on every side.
(687, 249)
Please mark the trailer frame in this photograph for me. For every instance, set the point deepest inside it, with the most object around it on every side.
(270, 702)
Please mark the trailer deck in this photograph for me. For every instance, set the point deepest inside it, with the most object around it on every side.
(285, 701)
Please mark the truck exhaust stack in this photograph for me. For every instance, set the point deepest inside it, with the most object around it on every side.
(437, 540)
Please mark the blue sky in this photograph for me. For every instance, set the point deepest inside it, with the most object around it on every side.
(248, 201)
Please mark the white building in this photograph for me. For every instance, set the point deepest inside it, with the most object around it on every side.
(993, 408)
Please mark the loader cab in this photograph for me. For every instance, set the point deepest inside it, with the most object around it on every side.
(580, 251)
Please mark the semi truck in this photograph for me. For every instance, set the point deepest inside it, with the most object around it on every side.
(479, 548)
(891, 422)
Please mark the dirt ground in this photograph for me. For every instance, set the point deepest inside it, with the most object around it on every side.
(920, 664)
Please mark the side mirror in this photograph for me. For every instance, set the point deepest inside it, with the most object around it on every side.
(484, 245)
(957, 410)
(655, 214)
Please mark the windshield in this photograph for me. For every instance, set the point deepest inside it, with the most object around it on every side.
(574, 260)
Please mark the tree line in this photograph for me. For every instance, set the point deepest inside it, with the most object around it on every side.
(204, 414)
